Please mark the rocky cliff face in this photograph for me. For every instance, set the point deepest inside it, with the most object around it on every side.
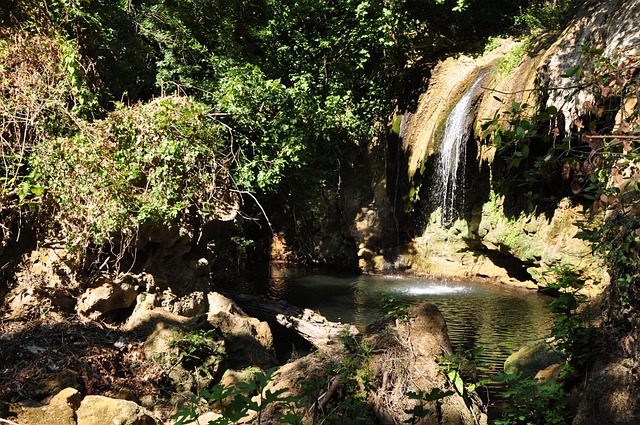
(499, 231)
(493, 235)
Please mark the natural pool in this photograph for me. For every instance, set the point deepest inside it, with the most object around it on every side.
(497, 318)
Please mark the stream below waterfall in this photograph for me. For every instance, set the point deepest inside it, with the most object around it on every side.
(498, 318)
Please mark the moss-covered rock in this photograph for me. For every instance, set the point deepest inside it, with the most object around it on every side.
(531, 359)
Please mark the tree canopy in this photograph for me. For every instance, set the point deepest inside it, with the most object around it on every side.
(285, 88)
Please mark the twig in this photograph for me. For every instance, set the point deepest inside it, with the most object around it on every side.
(333, 386)
(245, 192)
(7, 421)
(613, 136)
(577, 86)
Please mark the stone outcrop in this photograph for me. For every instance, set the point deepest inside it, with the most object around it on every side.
(423, 340)
(107, 300)
(99, 410)
(488, 240)
(249, 341)
(532, 359)
(69, 408)
(224, 334)
(448, 82)
(418, 341)
(60, 410)
(611, 394)
(189, 359)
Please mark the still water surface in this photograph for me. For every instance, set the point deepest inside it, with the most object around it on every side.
(494, 317)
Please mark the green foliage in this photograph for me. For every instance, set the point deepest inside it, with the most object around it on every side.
(355, 377)
(236, 402)
(533, 152)
(141, 165)
(529, 151)
(543, 15)
(269, 135)
(286, 91)
(355, 369)
(200, 354)
(194, 348)
(395, 308)
(515, 56)
(85, 100)
(533, 402)
(570, 331)
(453, 364)
(419, 411)
(46, 94)
(597, 166)
(493, 42)
(617, 241)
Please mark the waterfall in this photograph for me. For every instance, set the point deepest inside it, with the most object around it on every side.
(449, 181)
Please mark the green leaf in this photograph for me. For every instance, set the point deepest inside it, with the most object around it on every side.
(436, 394)
(571, 71)
(37, 190)
(455, 378)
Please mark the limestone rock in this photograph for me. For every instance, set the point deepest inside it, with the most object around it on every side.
(232, 377)
(189, 305)
(103, 302)
(249, 341)
(549, 373)
(99, 410)
(148, 312)
(60, 411)
(220, 303)
(189, 358)
(69, 396)
(531, 359)
(47, 415)
(208, 417)
(425, 339)
(610, 396)
(418, 342)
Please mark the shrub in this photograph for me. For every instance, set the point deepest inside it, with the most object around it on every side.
(146, 164)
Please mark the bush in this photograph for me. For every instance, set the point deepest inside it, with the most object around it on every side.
(146, 164)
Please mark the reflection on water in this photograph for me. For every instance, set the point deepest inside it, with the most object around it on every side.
(497, 318)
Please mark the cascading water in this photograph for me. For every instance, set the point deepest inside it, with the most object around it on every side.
(448, 187)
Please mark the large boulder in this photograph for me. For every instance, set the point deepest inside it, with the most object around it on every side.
(611, 394)
(190, 358)
(106, 301)
(249, 341)
(392, 360)
(531, 359)
(59, 411)
(99, 410)
(420, 339)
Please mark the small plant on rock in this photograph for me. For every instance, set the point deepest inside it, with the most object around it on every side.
(236, 402)
(199, 352)
(533, 401)
(453, 364)
(395, 308)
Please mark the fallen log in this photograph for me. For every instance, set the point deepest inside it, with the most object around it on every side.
(310, 325)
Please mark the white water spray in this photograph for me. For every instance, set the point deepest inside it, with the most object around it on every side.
(449, 173)
(436, 290)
